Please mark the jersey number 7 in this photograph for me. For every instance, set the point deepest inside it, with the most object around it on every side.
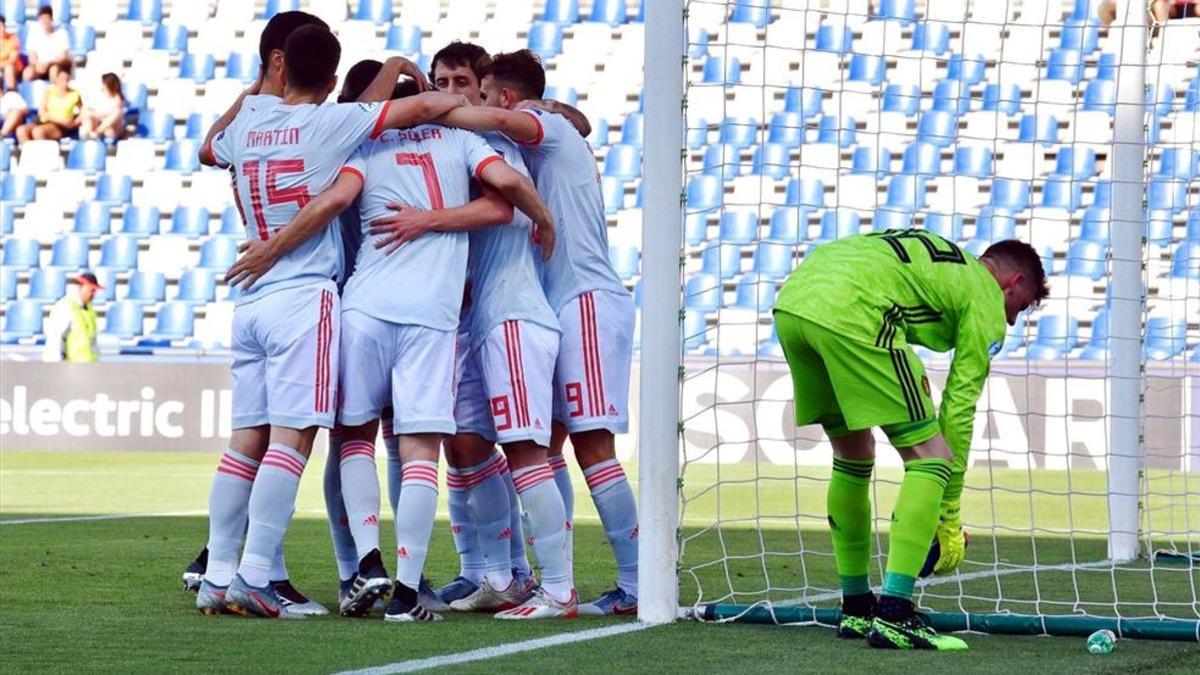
(940, 250)
(424, 160)
(275, 194)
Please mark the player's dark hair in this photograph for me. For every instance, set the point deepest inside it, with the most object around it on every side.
(521, 71)
(45, 10)
(458, 54)
(310, 57)
(360, 76)
(279, 28)
(1021, 256)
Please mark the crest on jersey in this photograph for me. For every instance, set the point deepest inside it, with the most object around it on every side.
(994, 349)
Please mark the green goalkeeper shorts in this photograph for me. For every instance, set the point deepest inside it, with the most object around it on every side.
(847, 385)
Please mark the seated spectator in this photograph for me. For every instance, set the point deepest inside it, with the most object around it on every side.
(13, 110)
(10, 55)
(106, 117)
(48, 47)
(58, 116)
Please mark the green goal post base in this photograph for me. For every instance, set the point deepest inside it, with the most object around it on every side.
(1007, 624)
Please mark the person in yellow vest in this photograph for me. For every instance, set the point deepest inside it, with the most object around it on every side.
(71, 327)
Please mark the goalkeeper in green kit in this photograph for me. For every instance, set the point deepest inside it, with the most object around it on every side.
(845, 319)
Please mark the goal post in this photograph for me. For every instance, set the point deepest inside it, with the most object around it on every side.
(774, 126)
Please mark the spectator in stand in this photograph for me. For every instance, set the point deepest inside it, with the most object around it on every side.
(71, 327)
(10, 55)
(13, 110)
(58, 116)
(48, 47)
(1173, 9)
(106, 117)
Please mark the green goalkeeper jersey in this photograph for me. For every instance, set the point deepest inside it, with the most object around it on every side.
(908, 286)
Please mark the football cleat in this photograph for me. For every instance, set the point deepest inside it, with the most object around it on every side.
(525, 580)
(210, 599)
(246, 600)
(295, 604)
(857, 611)
(458, 589)
(194, 574)
(429, 598)
(402, 610)
(371, 583)
(615, 602)
(911, 633)
(487, 599)
(542, 606)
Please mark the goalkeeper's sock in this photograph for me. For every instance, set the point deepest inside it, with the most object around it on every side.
(227, 504)
(471, 563)
(344, 551)
(914, 520)
(516, 544)
(562, 479)
(416, 507)
(848, 504)
(272, 501)
(360, 494)
(618, 514)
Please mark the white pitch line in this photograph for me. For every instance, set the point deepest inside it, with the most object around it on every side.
(108, 516)
(500, 650)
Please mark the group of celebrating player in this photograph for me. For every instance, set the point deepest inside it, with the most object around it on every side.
(465, 300)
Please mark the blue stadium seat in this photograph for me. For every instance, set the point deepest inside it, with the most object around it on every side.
(1011, 194)
(375, 11)
(1165, 338)
(136, 95)
(904, 11)
(1160, 98)
(871, 160)
(805, 192)
(190, 221)
(931, 37)
(1095, 224)
(623, 161)
(867, 68)
(198, 67)
(123, 320)
(23, 319)
(973, 160)
(218, 253)
(8, 217)
(1080, 35)
(140, 221)
(1100, 95)
(719, 70)
(704, 193)
(1005, 99)
(741, 132)
(173, 39)
(612, 190)
(119, 252)
(1014, 338)
(87, 156)
(953, 96)
(146, 287)
(1096, 348)
(1185, 262)
(404, 38)
(945, 225)
(70, 252)
(773, 259)
(599, 135)
(1193, 225)
(198, 125)
(6, 153)
(47, 285)
(611, 12)
(561, 11)
(182, 156)
(1168, 195)
(1065, 64)
(93, 218)
(697, 134)
(1179, 162)
(14, 12)
(1102, 194)
(33, 92)
(803, 100)
(968, 68)
(755, 292)
(739, 227)
(789, 224)
(787, 129)
(902, 98)
(1087, 259)
(21, 253)
(1160, 226)
(626, 261)
(546, 39)
(890, 219)
(82, 39)
(8, 284)
(633, 129)
(197, 286)
(1075, 162)
(695, 228)
(157, 126)
(939, 127)
(242, 66)
(175, 321)
(922, 158)
(772, 160)
(835, 37)
(722, 260)
(17, 188)
(991, 226)
(702, 292)
(841, 132)
(1056, 336)
(231, 222)
(146, 11)
(757, 12)
(697, 46)
(906, 192)
(566, 95)
(838, 224)
(695, 327)
(1062, 192)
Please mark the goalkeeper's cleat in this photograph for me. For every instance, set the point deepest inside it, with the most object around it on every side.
(458, 589)
(852, 627)
(615, 602)
(487, 599)
(911, 633)
(404, 608)
(429, 598)
(210, 599)
(194, 573)
(295, 604)
(371, 583)
(857, 611)
(542, 606)
(246, 600)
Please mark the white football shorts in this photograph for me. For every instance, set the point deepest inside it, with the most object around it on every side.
(472, 414)
(516, 361)
(591, 377)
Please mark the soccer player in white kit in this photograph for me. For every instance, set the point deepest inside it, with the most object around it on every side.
(596, 313)
(286, 329)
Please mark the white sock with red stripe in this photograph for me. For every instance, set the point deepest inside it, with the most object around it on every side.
(491, 514)
(618, 513)
(547, 527)
(471, 562)
(562, 479)
(516, 543)
(272, 501)
(227, 502)
(344, 551)
(416, 508)
(360, 492)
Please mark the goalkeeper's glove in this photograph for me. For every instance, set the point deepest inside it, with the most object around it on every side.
(951, 539)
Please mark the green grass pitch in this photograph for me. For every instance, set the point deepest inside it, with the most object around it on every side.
(104, 596)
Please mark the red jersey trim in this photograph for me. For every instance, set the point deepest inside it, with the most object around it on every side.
(379, 121)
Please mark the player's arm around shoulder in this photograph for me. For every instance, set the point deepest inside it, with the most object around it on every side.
(420, 109)
(521, 192)
(522, 126)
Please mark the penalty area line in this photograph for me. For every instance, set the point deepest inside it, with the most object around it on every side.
(485, 653)
(107, 516)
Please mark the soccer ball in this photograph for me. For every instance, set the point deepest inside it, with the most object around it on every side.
(935, 552)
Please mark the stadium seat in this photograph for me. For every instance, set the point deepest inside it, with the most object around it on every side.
(992, 225)
(274, 7)
(772, 160)
(695, 228)
(1179, 163)
(891, 219)
(566, 95)
(1056, 336)
(218, 253)
(1006, 99)
(182, 155)
(17, 188)
(1080, 35)
(922, 158)
(242, 66)
(175, 321)
(189, 221)
(1087, 259)
(704, 193)
(841, 132)
(1166, 338)
(773, 260)
(867, 68)
(82, 39)
(8, 284)
(611, 12)
(1075, 162)
(718, 70)
(145, 11)
(1065, 64)
(1102, 194)
(623, 161)
(902, 98)
(197, 286)
(39, 157)
(157, 126)
(599, 135)
(546, 39)
(47, 285)
(8, 217)
(87, 156)
(1168, 195)
(1061, 192)
(404, 38)
(123, 320)
(805, 192)
(1011, 194)
(838, 224)
(948, 226)
(612, 189)
(973, 160)
(740, 132)
(1193, 225)
(702, 292)
(199, 68)
(722, 260)
(1160, 98)
(939, 127)
(114, 189)
(904, 11)
(953, 96)
(695, 327)
(633, 130)
(1185, 262)
(626, 260)
(1095, 225)
(93, 218)
(146, 287)
(561, 11)
(140, 221)
(1100, 95)
(1160, 226)
(119, 252)
(931, 37)
(755, 292)
(174, 39)
(69, 252)
(14, 12)
(906, 192)
(757, 12)
(804, 100)
(23, 319)
(136, 94)
(198, 125)
(21, 253)
(968, 68)
(869, 160)
(1096, 348)
(739, 227)
(835, 37)
(786, 129)
(789, 224)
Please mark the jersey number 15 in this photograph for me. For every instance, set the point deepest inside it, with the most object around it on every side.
(275, 194)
